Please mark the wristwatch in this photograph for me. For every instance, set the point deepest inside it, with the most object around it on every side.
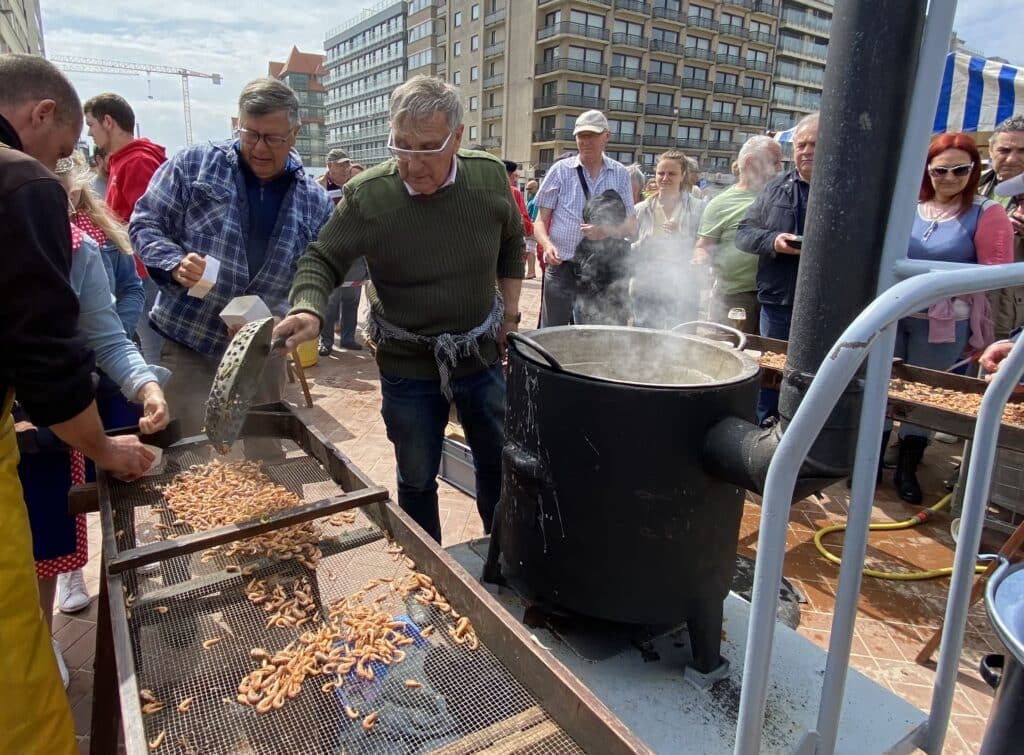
(514, 319)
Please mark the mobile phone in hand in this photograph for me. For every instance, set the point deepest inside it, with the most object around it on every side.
(797, 242)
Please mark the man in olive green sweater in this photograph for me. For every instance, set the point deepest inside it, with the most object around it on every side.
(443, 240)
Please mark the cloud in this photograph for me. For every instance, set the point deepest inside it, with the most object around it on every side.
(991, 27)
(235, 40)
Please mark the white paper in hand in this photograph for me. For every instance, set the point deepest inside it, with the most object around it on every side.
(202, 288)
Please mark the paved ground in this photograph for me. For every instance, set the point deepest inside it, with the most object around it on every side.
(894, 617)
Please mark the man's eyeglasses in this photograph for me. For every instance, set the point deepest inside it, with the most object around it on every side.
(422, 154)
(957, 170)
(252, 138)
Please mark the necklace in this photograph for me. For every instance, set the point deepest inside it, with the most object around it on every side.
(936, 216)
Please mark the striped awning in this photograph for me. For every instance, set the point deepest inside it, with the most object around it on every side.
(977, 94)
(785, 136)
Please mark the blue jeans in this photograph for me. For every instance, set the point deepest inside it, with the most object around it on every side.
(913, 348)
(343, 301)
(775, 320)
(415, 413)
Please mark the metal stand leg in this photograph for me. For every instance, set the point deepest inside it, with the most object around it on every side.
(106, 708)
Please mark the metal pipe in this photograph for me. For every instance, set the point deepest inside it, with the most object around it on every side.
(979, 480)
(855, 542)
(836, 371)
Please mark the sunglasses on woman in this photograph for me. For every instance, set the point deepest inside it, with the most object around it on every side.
(957, 170)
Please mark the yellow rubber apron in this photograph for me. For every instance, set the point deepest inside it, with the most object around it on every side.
(35, 716)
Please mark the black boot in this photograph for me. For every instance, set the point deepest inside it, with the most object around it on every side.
(905, 479)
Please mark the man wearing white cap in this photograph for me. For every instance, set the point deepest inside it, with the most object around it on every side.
(559, 227)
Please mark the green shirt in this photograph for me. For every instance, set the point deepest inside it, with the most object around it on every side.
(434, 259)
(736, 270)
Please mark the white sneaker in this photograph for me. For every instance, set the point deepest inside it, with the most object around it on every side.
(72, 595)
(60, 663)
(946, 438)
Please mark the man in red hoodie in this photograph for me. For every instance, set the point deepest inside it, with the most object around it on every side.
(131, 162)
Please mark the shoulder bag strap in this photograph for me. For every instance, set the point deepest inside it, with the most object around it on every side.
(583, 182)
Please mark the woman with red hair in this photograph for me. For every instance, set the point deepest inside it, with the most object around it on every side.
(952, 224)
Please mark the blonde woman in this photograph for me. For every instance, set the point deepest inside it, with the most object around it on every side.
(665, 289)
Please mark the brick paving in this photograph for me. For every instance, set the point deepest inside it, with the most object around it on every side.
(894, 618)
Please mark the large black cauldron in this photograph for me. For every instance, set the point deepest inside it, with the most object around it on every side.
(606, 509)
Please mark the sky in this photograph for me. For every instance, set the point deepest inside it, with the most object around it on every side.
(236, 39)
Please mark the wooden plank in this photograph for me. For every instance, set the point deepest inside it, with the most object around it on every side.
(197, 541)
(495, 732)
(127, 683)
(579, 712)
(523, 741)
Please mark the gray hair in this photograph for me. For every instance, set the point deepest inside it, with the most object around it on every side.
(636, 175)
(1013, 123)
(421, 97)
(755, 145)
(808, 121)
(29, 78)
(265, 96)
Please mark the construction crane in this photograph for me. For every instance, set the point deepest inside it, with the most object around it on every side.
(95, 65)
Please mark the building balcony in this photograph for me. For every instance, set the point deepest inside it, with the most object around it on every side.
(569, 100)
(659, 141)
(768, 7)
(691, 144)
(547, 134)
(748, 4)
(627, 72)
(490, 113)
(576, 30)
(633, 6)
(753, 120)
(702, 84)
(763, 66)
(787, 72)
(723, 145)
(754, 93)
(673, 48)
(669, 14)
(804, 103)
(701, 22)
(625, 106)
(762, 38)
(570, 64)
(492, 51)
(629, 40)
(699, 53)
(665, 111)
(663, 78)
(491, 142)
(806, 22)
(800, 48)
(619, 138)
(495, 17)
(492, 82)
(733, 89)
(718, 116)
(731, 30)
(441, 38)
(729, 60)
(693, 114)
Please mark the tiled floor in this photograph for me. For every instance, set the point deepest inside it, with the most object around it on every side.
(894, 618)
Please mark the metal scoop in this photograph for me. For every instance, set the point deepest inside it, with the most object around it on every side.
(237, 380)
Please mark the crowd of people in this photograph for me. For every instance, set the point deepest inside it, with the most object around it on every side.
(104, 271)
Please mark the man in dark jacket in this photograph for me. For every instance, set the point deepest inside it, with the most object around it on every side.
(771, 230)
(48, 366)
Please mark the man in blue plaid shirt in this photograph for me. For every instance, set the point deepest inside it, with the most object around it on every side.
(248, 204)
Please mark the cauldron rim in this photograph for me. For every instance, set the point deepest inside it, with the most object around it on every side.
(750, 366)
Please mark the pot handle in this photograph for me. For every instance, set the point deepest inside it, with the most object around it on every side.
(741, 338)
(529, 342)
(991, 669)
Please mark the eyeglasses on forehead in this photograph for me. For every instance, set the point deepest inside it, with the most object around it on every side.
(406, 154)
(252, 138)
(957, 170)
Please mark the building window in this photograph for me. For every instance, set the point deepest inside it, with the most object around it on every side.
(663, 67)
(628, 27)
(691, 105)
(622, 128)
(626, 61)
(474, 12)
(474, 133)
(586, 54)
(457, 78)
(457, 19)
(665, 35)
(474, 43)
(457, 49)
(626, 158)
(474, 103)
(727, 49)
(698, 43)
(474, 73)
(659, 99)
(694, 73)
(728, 19)
(663, 130)
(622, 95)
(723, 108)
(731, 79)
(693, 133)
(586, 19)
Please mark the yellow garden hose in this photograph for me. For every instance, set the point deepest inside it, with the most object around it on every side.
(920, 518)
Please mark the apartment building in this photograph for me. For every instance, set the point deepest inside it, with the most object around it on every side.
(697, 75)
(21, 27)
(366, 59)
(804, 27)
(304, 72)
